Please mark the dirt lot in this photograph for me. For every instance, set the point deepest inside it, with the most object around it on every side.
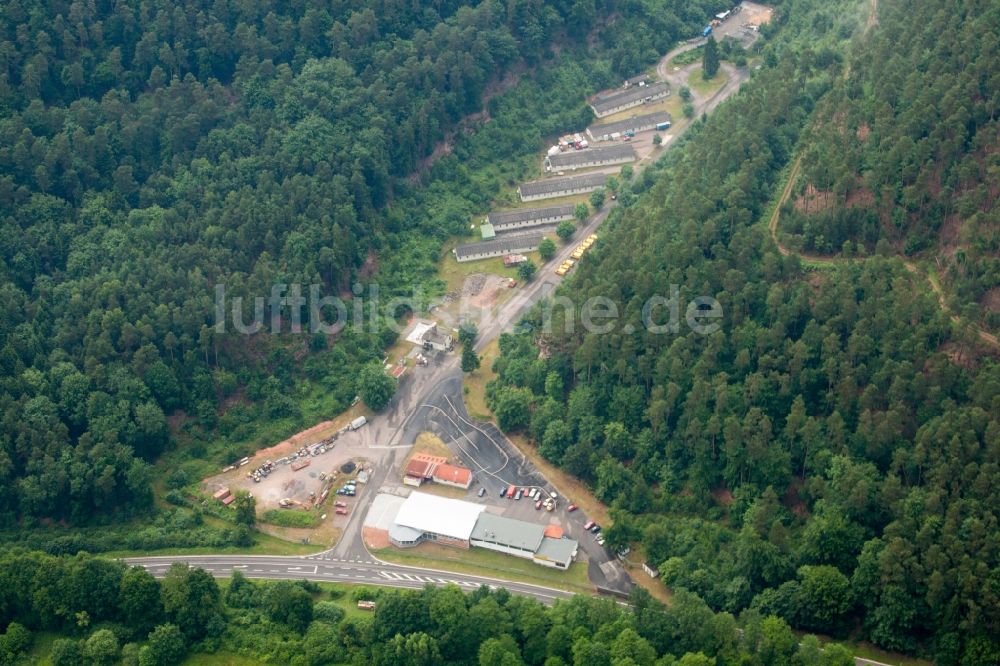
(283, 481)
(740, 26)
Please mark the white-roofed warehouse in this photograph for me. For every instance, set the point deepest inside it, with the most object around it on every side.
(424, 517)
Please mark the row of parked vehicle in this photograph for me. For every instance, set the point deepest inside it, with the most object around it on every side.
(578, 253)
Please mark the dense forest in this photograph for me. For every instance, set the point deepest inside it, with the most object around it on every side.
(105, 612)
(149, 152)
(904, 151)
(830, 454)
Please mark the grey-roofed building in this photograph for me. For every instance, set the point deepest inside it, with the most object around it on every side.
(495, 248)
(641, 123)
(506, 535)
(561, 187)
(592, 157)
(626, 99)
(636, 80)
(505, 220)
(558, 553)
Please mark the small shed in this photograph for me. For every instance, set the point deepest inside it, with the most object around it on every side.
(487, 231)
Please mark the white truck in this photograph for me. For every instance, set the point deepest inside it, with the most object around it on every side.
(358, 422)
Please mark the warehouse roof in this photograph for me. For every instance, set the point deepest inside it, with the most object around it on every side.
(505, 245)
(508, 532)
(619, 126)
(550, 185)
(527, 214)
(557, 550)
(439, 515)
(625, 97)
(576, 158)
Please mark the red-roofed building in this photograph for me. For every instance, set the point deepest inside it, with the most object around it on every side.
(553, 532)
(453, 475)
(417, 471)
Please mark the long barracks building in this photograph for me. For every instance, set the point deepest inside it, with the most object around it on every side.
(642, 123)
(551, 188)
(507, 220)
(619, 101)
(592, 157)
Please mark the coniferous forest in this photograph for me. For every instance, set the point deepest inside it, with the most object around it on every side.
(152, 151)
(827, 461)
(830, 454)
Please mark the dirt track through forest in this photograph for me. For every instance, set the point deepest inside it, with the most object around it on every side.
(820, 260)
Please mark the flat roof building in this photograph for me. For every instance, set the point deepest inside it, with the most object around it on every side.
(511, 244)
(487, 231)
(557, 553)
(625, 99)
(424, 517)
(524, 539)
(507, 535)
(506, 220)
(592, 157)
(561, 187)
(640, 123)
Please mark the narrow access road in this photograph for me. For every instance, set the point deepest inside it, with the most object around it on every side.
(349, 561)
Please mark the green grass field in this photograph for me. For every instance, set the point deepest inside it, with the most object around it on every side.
(703, 87)
(481, 562)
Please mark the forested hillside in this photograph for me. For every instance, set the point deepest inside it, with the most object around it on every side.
(104, 611)
(830, 454)
(905, 152)
(149, 152)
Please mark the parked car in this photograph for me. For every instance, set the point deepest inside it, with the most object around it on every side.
(503, 492)
(600, 540)
(517, 495)
(596, 528)
(587, 525)
(341, 511)
(340, 505)
(571, 508)
(482, 491)
(538, 505)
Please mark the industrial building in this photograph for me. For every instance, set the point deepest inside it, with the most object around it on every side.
(561, 187)
(426, 334)
(641, 123)
(507, 220)
(522, 539)
(496, 248)
(605, 105)
(422, 517)
(592, 157)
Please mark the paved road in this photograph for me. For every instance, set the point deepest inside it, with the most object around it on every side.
(362, 572)
(429, 398)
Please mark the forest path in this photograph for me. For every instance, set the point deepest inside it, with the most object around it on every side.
(824, 261)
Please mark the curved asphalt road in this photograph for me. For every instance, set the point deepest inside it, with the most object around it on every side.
(358, 572)
(432, 400)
